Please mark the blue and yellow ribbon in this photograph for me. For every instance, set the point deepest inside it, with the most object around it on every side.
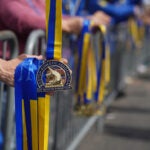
(92, 76)
(86, 72)
(137, 31)
(32, 108)
(103, 70)
(83, 44)
(54, 29)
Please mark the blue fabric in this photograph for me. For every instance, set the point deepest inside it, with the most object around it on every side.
(81, 11)
(1, 140)
(85, 30)
(51, 31)
(25, 89)
(135, 2)
(99, 70)
(119, 12)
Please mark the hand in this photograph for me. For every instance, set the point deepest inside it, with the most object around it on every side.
(145, 16)
(72, 24)
(99, 18)
(7, 68)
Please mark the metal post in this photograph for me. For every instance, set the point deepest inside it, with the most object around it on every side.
(13, 43)
(32, 46)
(56, 122)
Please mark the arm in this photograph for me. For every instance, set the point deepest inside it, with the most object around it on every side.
(72, 24)
(118, 12)
(7, 68)
(18, 16)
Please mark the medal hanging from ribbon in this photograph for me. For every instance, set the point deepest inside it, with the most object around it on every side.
(86, 73)
(58, 76)
(91, 80)
(33, 78)
(81, 80)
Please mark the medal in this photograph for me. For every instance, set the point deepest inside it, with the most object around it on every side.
(53, 75)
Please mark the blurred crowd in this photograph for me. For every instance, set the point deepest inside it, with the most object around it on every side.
(23, 16)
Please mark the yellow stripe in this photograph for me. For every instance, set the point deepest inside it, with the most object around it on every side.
(94, 73)
(89, 91)
(82, 78)
(47, 14)
(102, 84)
(103, 29)
(135, 32)
(43, 118)
(25, 147)
(107, 70)
(58, 30)
(34, 124)
(47, 121)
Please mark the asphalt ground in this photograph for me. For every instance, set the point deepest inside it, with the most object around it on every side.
(127, 124)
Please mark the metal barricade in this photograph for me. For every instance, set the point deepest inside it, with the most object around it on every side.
(9, 45)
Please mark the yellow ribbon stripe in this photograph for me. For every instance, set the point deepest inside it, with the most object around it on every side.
(92, 76)
(34, 123)
(43, 117)
(107, 65)
(105, 70)
(82, 78)
(58, 30)
(58, 26)
(89, 90)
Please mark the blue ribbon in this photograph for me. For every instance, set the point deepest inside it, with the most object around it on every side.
(85, 30)
(25, 89)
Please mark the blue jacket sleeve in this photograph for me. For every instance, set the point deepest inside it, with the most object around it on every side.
(118, 12)
(133, 2)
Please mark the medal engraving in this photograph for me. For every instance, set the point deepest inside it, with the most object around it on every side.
(52, 76)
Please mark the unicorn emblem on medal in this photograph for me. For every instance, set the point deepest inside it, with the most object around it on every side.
(52, 76)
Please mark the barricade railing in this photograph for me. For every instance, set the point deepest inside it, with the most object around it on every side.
(9, 45)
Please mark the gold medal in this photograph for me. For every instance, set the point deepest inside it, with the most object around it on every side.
(53, 75)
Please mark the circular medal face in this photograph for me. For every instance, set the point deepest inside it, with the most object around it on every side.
(52, 76)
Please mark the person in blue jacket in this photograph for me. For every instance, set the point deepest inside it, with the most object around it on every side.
(119, 11)
(77, 10)
(135, 2)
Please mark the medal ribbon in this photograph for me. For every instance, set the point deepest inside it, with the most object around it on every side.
(83, 47)
(54, 29)
(86, 72)
(136, 31)
(103, 71)
(32, 108)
